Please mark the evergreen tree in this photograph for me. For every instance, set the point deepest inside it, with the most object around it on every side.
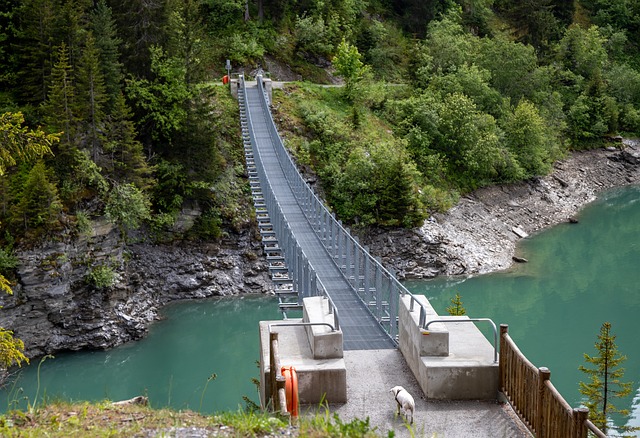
(123, 152)
(456, 308)
(59, 111)
(141, 25)
(35, 48)
(107, 42)
(605, 380)
(187, 37)
(44, 25)
(39, 204)
(92, 97)
(8, 34)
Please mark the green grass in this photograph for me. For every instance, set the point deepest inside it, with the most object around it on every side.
(58, 419)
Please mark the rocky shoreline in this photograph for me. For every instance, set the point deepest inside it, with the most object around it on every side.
(480, 234)
(54, 308)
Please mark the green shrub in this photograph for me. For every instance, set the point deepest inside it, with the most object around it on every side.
(101, 276)
(8, 261)
(83, 223)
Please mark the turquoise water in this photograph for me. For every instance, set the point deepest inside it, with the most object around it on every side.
(577, 278)
(171, 366)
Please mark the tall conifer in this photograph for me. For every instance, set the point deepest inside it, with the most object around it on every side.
(605, 384)
(108, 42)
(35, 48)
(92, 97)
(59, 110)
(124, 153)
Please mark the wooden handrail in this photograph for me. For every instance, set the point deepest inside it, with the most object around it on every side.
(278, 381)
(543, 410)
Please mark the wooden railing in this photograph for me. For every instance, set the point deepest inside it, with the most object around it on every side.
(534, 398)
(278, 381)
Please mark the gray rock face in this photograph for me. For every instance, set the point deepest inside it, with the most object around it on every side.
(54, 308)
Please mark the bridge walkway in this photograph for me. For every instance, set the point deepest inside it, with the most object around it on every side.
(361, 331)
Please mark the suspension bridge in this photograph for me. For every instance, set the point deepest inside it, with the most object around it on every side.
(310, 252)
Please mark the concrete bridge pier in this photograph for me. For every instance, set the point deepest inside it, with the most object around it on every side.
(315, 351)
(234, 84)
(451, 361)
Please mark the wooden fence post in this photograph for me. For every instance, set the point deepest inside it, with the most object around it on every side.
(273, 339)
(543, 375)
(502, 364)
(580, 415)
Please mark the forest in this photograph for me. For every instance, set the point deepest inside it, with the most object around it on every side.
(115, 109)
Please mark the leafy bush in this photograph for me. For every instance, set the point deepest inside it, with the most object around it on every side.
(243, 48)
(83, 223)
(8, 261)
(208, 226)
(313, 36)
(101, 277)
(127, 206)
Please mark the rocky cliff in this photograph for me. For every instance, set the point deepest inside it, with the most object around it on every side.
(55, 307)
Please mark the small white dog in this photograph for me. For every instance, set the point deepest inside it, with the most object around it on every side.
(404, 400)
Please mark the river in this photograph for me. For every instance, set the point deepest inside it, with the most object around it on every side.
(578, 276)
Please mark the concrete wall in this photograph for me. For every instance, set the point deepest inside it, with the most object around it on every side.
(452, 361)
(325, 343)
(314, 351)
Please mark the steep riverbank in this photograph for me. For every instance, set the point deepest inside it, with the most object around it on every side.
(480, 234)
(55, 308)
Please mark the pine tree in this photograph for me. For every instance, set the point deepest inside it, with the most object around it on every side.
(35, 48)
(39, 204)
(44, 25)
(187, 37)
(605, 380)
(107, 43)
(124, 153)
(59, 110)
(456, 308)
(92, 96)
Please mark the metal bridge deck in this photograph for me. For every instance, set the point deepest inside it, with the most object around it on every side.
(360, 329)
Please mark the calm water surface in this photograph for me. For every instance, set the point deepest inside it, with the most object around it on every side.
(172, 365)
(578, 277)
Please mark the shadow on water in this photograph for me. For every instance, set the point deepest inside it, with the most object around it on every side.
(578, 277)
(171, 366)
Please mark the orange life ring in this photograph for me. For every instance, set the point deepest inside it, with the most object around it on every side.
(225, 79)
(291, 389)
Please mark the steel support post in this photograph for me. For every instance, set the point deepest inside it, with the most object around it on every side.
(347, 255)
(378, 291)
(339, 243)
(393, 310)
(367, 284)
(356, 265)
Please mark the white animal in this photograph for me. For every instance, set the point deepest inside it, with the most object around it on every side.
(404, 400)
